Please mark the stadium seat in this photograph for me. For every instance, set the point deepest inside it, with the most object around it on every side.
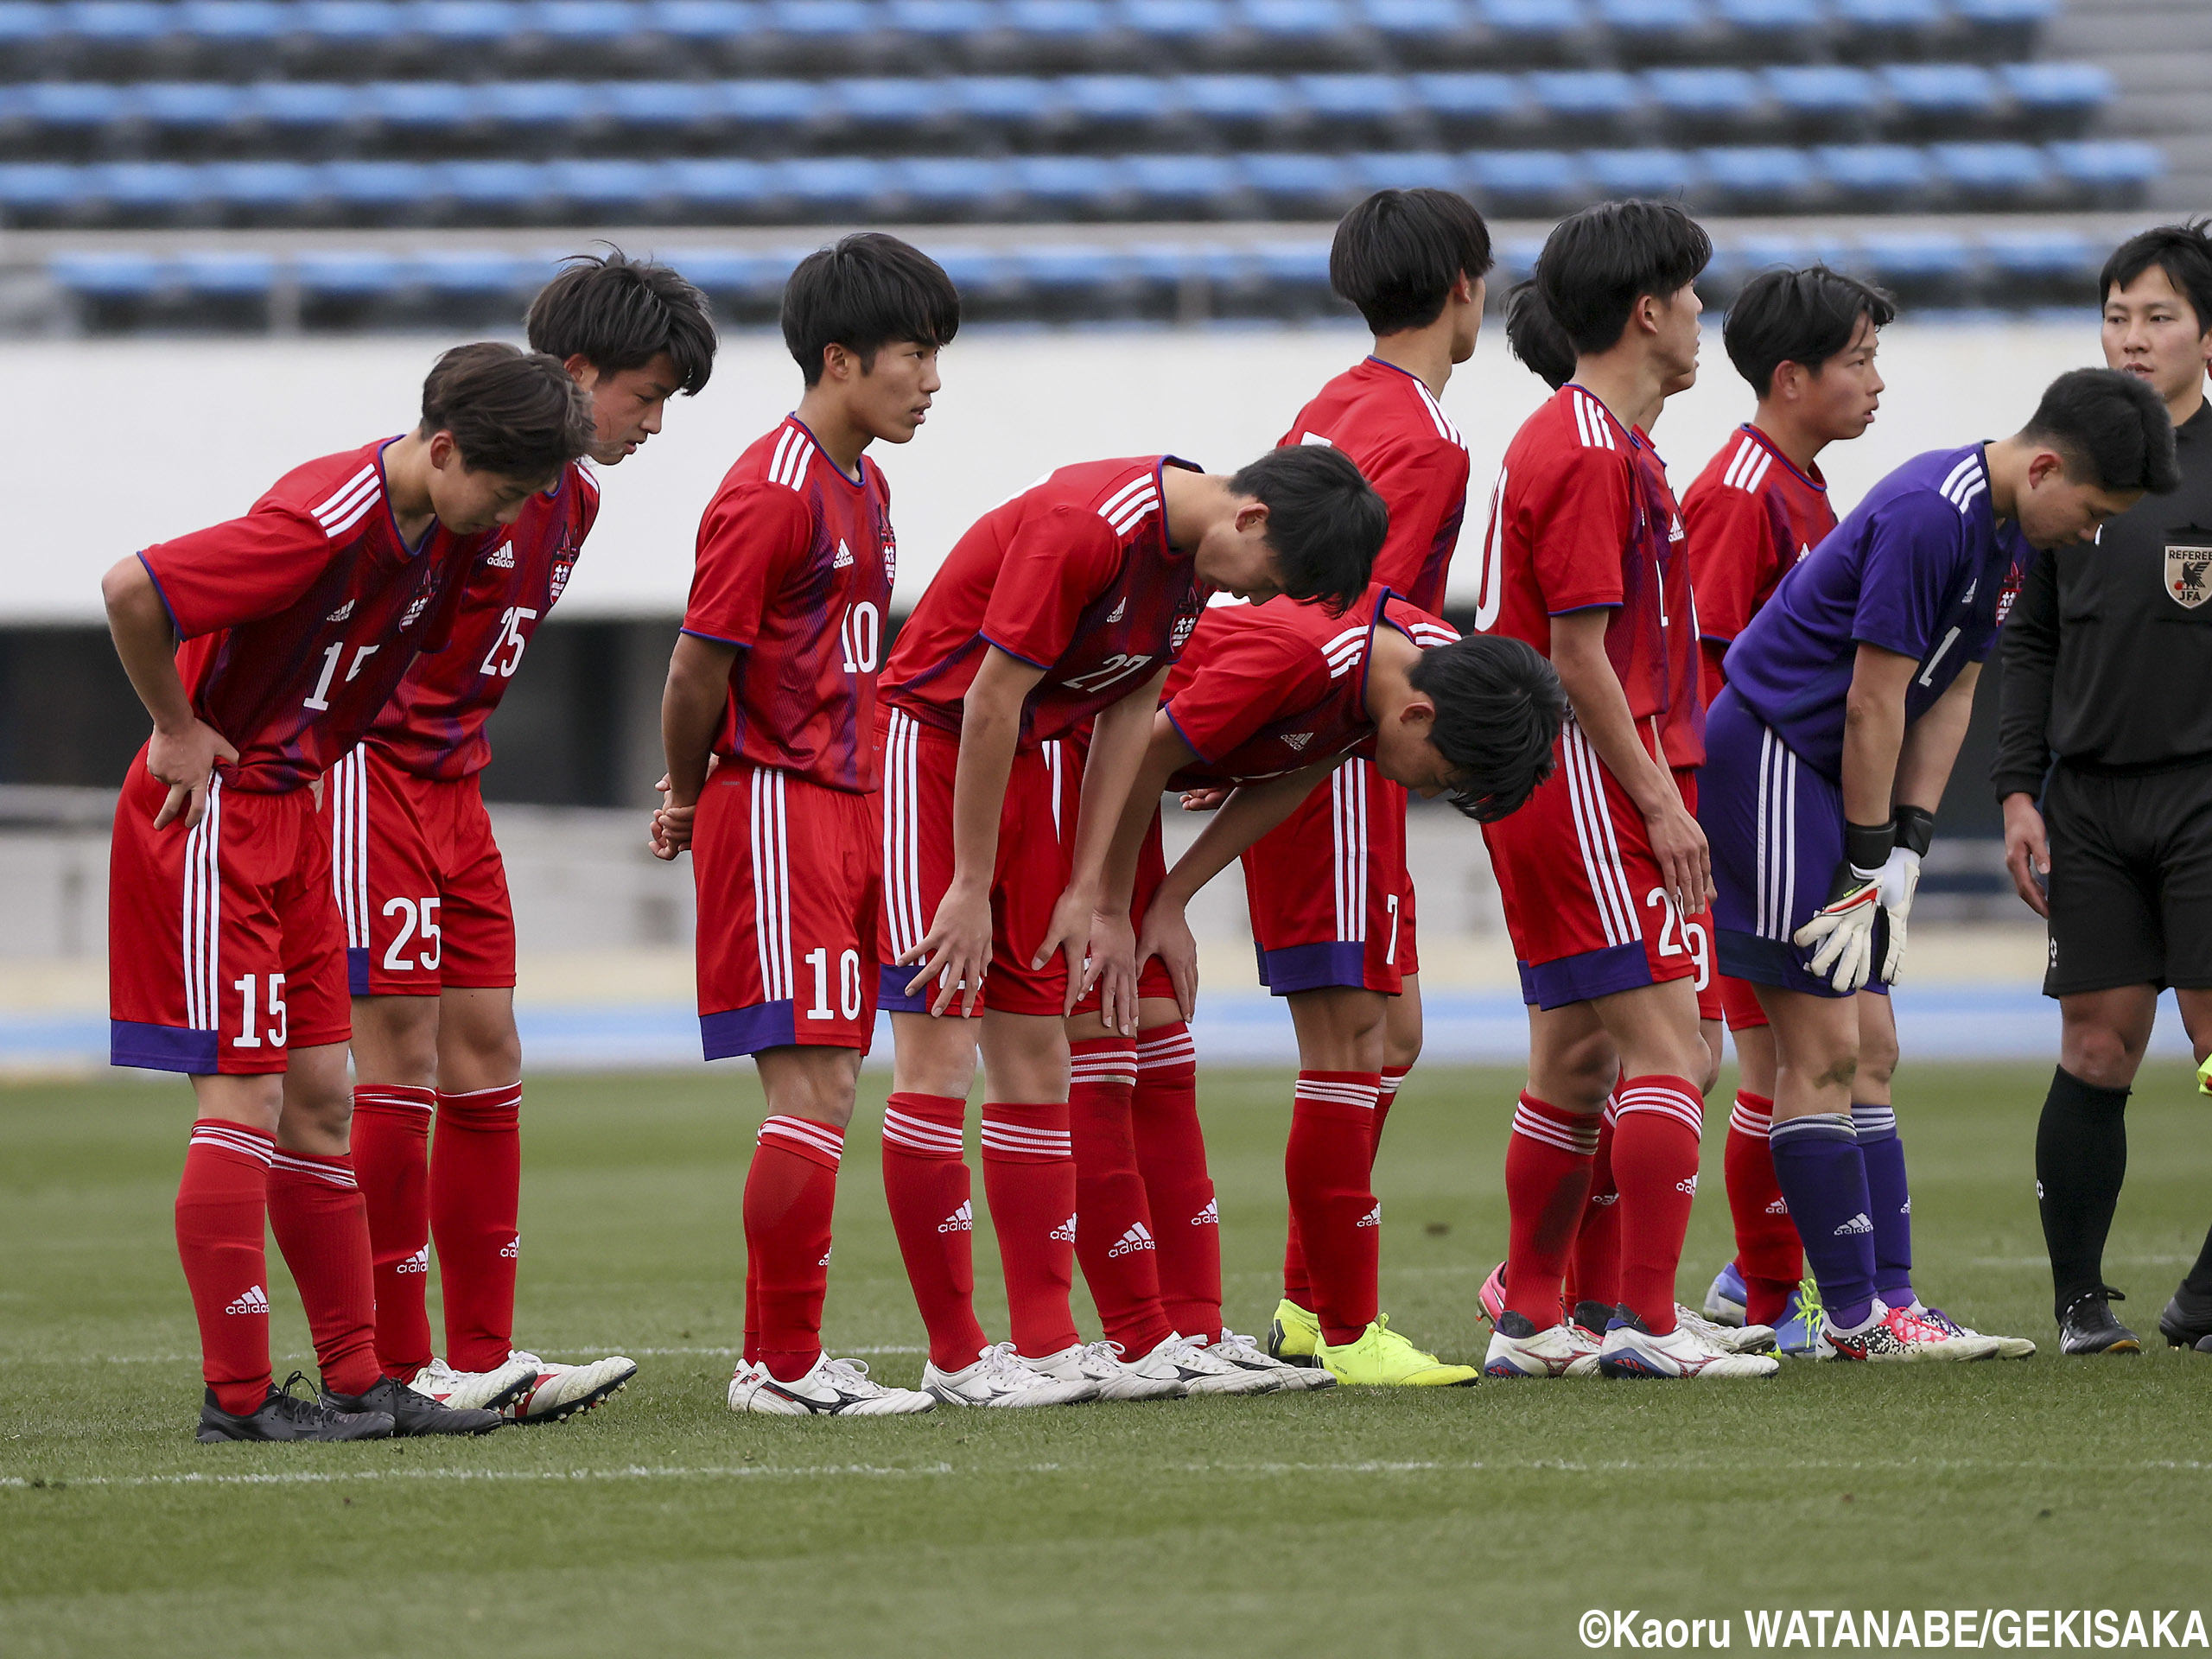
(1404, 170)
(1294, 276)
(1299, 34)
(105, 275)
(297, 105)
(1583, 103)
(770, 115)
(1236, 106)
(467, 23)
(375, 190)
(2056, 99)
(1881, 176)
(39, 192)
(224, 274)
(1757, 178)
(2111, 171)
(2039, 267)
(1183, 26)
(1186, 186)
(432, 107)
(723, 191)
(600, 190)
(877, 105)
(185, 106)
(1640, 172)
(1010, 104)
(349, 273)
(1645, 31)
(1424, 31)
(1115, 109)
(1882, 31)
(1516, 259)
(1824, 99)
(2010, 175)
(1299, 186)
(1533, 31)
(1939, 97)
(1065, 35)
(1064, 282)
(467, 271)
(590, 26)
(1055, 187)
(496, 190)
(1708, 102)
(2003, 29)
(1353, 108)
(71, 104)
(1927, 266)
(1761, 30)
(1516, 181)
(748, 281)
(536, 107)
(656, 107)
(831, 186)
(1468, 105)
(263, 191)
(954, 186)
(147, 192)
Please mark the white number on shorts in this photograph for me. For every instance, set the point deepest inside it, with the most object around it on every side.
(321, 698)
(505, 655)
(861, 635)
(1119, 666)
(818, 959)
(1677, 935)
(1390, 956)
(1693, 935)
(1670, 944)
(250, 1032)
(848, 983)
(416, 916)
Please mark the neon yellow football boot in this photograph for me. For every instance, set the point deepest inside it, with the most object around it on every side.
(1383, 1359)
(1294, 1335)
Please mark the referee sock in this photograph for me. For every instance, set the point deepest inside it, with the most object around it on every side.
(2081, 1160)
(1172, 1158)
(1115, 1242)
(392, 1161)
(926, 1185)
(475, 1210)
(1817, 1164)
(1888, 1200)
(790, 1192)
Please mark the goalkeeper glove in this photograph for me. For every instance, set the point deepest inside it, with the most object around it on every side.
(1900, 879)
(1841, 934)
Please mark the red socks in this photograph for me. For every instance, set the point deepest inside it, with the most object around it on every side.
(1547, 1161)
(1768, 1252)
(1655, 1164)
(392, 1161)
(1029, 1180)
(1594, 1269)
(790, 1194)
(1386, 1095)
(925, 1184)
(1297, 1287)
(1114, 1241)
(222, 1207)
(1172, 1157)
(1340, 1224)
(322, 1227)
(475, 1196)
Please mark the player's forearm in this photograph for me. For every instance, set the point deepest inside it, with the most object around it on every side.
(691, 707)
(1931, 744)
(1249, 814)
(1600, 708)
(1120, 742)
(1874, 735)
(1164, 756)
(145, 643)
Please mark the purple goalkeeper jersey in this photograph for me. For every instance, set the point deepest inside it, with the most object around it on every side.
(1920, 567)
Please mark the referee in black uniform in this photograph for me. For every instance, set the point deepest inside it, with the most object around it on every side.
(2105, 713)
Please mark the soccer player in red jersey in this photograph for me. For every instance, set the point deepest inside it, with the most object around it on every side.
(1805, 341)
(1585, 560)
(227, 953)
(768, 723)
(430, 935)
(1063, 606)
(1334, 921)
(1268, 701)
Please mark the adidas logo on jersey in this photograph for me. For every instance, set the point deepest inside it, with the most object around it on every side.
(512, 1250)
(1858, 1224)
(502, 556)
(341, 613)
(1605, 1198)
(1779, 1207)
(1688, 1185)
(962, 1220)
(254, 1302)
(826, 1254)
(1208, 1216)
(1906, 1209)
(844, 559)
(418, 1263)
(1065, 1231)
(1131, 1242)
(1675, 534)
(1114, 615)
(1297, 739)
(1373, 1217)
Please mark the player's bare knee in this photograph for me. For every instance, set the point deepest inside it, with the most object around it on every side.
(810, 1082)
(2101, 1055)
(396, 1040)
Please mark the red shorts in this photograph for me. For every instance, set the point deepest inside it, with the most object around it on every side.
(1585, 905)
(1739, 1003)
(225, 947)
(1329, 899)
(790, 879)
(420, 884)
(1151, 870)
(1036, 838)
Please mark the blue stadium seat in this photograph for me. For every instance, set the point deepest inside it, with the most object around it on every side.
(1532, 29)
(704, 21)
(147, 189)
(188, 104)
(770, 104)
(24, 24)
(1640, 172)
(1423, 31)
(1116, 103)
(1915, 262)
(1363, 101)
(1823, 94)
(724, 188)
(340, 24)
(299, 103)
(1704, 100)
(436, 105)
(1468, 102)
(1405, 169)
(1525, 181)
(941, 20)
(2058, 97)
(1295, 184)
(1641, 28)
(2005, 28)
(1298, 31)
(1874, 173)
(1070, 267)
(350, 274)
(466, 22)
(1294, 265)
(1754, 176)
(2122, 166)
(496, 189)
(831, 186)
(609, 188)
(117, 23)
(2009, 173)
(80, 104)
(1763, 27)
(1584, 100)
(247, 23)
(957, 186)
(662, 103)
(1057, 19)
(1092, 185)
(262, 190)
(223, 274)
(751, 277)
(589, 22)
(1746, 255)
(900, 104)
(832, 20)
(465, 270)
(375, 187)
(1173, 186)
(1516, 259)
(1180, 21)
(1007, 101)
(976, 272)
(107, 275)
(1885, 31)
(1234, 100)
(542, 104)
(40, 188)
(2059, 254)
(1887, 14)
(1940, 95)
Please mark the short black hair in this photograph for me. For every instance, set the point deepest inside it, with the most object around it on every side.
(1325, 521)
(513, 412)
(1396, 255)
(1533, 335)
(1598, 264)
(2111, 427)
(1798, 316)
(866, 291)
(618, 313)
(1499, 705)
(2182, 252)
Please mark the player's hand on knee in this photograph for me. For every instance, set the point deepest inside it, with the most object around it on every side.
(185, 759)
(2027, 853)
(1840, 933)
(1109, 962)
(1203, 800)
(1167, 934)
(1684, 856)
(955, 952)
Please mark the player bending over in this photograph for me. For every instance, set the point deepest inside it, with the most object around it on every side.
(1063, 606)
(1829, 751)
(1334, 920)
(773, 780)
(430, 935)
(1805, 341)
(227, 952)
(1269, 702)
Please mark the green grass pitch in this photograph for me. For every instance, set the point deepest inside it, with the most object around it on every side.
(1456, 1521)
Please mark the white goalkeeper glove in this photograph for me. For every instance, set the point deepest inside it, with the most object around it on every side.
(1900, 879)
(1840, 933)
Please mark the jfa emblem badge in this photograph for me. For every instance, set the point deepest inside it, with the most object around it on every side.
(2186, 568)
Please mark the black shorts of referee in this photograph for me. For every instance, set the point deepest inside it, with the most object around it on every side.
(2131, 878)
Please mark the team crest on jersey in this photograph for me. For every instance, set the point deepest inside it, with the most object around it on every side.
(559, 579)
(414, 611)
(2186, 567)
(2014, 576)
(1186, 619)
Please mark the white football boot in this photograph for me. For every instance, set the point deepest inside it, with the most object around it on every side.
(1149, 1376)
(1204, 1371)
(1630, 1350)
(1518, 1349)
(1896, 1334)
(1247, 1355)
(559, 1391)
(831, 1388)
(2007, 1347)
(486, 1390)
(997, 1377)
(1730, 1339)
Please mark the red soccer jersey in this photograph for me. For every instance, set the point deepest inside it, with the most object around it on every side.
(300, 619)
(1751, 516)
(1395, 433)
(434, 725)
(1582, 516)
(795, 567)
(1266, 688)
(1073, 575)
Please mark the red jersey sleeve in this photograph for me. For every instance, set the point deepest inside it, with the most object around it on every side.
(1732, 558)
(1425, 484)
(240, 571)
(1580, 516)
(1252, 678)
(1057, 562)
(748, 542)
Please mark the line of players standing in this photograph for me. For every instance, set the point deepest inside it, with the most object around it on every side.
(969, 829)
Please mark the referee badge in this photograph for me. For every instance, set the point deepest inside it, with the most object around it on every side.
(2187, 565)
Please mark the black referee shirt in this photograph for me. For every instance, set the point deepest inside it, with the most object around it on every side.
(2107, 657)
